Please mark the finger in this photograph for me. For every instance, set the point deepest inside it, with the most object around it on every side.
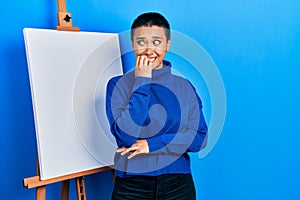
(138, 58)
(143, 60)
(138, 61)
(130, 149)
(133, 154)
(119, 150)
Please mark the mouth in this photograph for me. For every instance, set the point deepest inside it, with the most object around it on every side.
(152, 59)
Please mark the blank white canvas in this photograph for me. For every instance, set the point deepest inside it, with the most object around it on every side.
(68, 75)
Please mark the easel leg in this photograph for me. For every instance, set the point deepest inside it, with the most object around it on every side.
(41, 193)
(65, 185)
(80, 188)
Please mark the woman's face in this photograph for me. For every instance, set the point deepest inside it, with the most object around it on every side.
(152, 42)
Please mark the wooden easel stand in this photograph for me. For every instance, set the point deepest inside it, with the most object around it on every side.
(64, 24)
(40, 185)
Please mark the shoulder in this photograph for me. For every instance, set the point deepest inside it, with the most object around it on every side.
(125, 78)
(184, 82)
(185, 88)
(122, 83)
(114, 80)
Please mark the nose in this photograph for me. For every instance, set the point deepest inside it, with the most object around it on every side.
(148, 50)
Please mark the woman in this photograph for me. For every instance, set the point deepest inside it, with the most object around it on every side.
(156, 119)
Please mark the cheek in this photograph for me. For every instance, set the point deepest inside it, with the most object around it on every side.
(161, 53)
(160, 50)
(138, 51)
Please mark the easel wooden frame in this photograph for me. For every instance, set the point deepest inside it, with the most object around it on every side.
(40, 185)
(64, 24)
(64, 18)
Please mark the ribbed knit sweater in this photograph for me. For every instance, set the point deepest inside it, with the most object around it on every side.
(166, 111)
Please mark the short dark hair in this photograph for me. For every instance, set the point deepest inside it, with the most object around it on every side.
(151, 19)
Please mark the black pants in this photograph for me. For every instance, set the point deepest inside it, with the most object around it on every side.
(167, 187)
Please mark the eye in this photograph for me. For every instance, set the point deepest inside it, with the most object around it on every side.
(156, 42)
(140, 42)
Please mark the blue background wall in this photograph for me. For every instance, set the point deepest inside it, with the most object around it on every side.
(254, 43)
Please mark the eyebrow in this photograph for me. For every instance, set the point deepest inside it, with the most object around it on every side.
(155, 37)
(138, 38)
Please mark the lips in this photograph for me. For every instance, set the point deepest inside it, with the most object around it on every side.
(152, 60)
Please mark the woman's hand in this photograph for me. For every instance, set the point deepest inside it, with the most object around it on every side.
(143, 67)
(139, 147)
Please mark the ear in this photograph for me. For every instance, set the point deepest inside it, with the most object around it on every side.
(168, 45)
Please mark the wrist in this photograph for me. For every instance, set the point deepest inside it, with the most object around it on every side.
(143, 74)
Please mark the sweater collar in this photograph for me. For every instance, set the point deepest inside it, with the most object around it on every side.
(164, 73)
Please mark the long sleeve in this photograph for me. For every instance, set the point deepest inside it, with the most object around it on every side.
(125, 108)
(190, 139)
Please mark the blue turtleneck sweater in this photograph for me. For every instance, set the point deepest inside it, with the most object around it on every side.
(166, 111)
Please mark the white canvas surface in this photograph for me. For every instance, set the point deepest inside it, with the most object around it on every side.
(68, 76)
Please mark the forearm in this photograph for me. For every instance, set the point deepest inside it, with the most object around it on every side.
(127, 116)
(177, 143)
(185, 140)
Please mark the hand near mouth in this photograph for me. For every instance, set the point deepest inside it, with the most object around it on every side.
(144, 66)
